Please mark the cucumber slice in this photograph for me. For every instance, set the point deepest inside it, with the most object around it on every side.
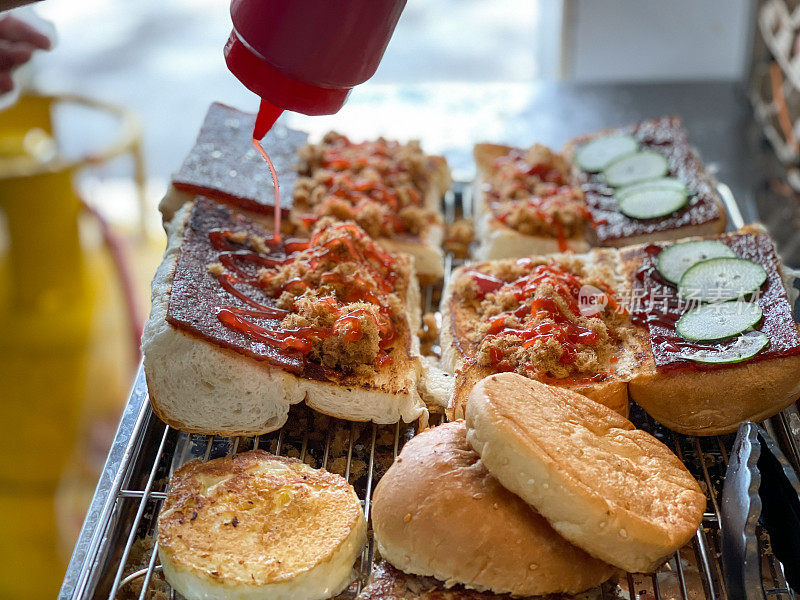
(744, 347)
(721, 279)
(596, 155)
(636, 167)
(652, 203)
(661, 183)
(674, 260)
(712, 322)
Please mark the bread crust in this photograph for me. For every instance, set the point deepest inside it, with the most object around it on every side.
(611, 489)
(437, 512)
(715, 402)
(200, 387)
(711, 228)
(255, 525)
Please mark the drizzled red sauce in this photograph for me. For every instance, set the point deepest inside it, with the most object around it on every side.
(661, 314)
(520, 165)
(241, 299)
(553, 191)
(359, 192)
(345, 160)
(550, 322)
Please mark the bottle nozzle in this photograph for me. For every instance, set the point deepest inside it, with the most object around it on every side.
(267, 115)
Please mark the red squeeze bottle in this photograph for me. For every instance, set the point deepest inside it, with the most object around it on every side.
(305, 55)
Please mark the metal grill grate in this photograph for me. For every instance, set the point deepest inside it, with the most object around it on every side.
(113, 558)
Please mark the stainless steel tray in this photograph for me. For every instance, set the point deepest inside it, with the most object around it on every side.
(115, 555)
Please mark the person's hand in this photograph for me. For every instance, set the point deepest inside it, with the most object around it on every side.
(18, 40)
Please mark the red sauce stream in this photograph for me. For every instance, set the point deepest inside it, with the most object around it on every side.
(267, 115)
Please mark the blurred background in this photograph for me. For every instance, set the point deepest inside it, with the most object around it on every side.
(120, 98)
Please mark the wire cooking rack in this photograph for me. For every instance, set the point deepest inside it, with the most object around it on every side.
(117, 553)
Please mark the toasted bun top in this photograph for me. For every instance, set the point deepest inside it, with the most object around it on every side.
(608, 487)
(255, 518)
(438, 512)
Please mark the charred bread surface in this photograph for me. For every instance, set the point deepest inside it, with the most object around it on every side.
(256, 525)
(224, 166)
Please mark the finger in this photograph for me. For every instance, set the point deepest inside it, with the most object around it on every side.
(14, 54)
(6, 83)
(17, 30)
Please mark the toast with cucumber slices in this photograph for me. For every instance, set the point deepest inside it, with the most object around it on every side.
(614, 188)
(645, 183)
(724, 346)
(699, 332)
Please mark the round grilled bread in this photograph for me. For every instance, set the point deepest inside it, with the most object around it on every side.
(438, 512)
(609, 488)
(255, 525)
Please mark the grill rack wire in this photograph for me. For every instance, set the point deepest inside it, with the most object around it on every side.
(116, 555)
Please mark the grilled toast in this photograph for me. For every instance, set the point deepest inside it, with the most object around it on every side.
(256, 525)
(687, 395)
(224, 166)
(535, 201)
(706, 399)
(495, 200)
(392, 190)
(703, 215)
(472, 349)
(222, 357)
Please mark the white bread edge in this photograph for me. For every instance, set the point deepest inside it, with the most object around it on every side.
(172, 202)
(323, 581)
(199, 387)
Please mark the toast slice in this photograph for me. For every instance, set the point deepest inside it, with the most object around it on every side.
(392, 190)
(710, 399)
(556, 319)
(703, 215)
(650, 365)
(524, 205)
(241, 328)
(224, 166)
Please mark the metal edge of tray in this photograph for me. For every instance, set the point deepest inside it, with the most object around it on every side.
(121, 455)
